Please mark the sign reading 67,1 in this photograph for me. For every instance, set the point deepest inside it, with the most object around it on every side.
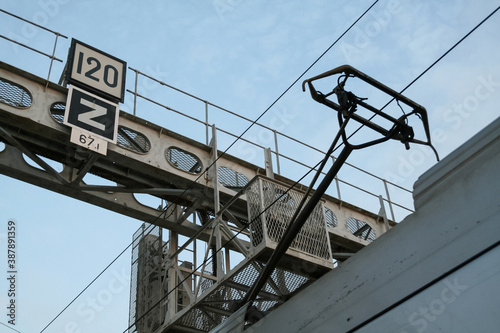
(96, 71)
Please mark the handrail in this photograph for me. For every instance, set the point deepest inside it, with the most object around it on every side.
(29, 47)
(258, 124)
(281, 155)
(276, 135)
(57, 35)
(33, 23)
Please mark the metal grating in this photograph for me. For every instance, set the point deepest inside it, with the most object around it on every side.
(57, 110)
(14, 94)
(210, 301)
(198, 319)
(331, 219)
(206, 282)
(220, 303)
(255, 216)
(361, 229)
(133, 140)
(147, 285)
(279, 206)
(231, 179)
(183, 160)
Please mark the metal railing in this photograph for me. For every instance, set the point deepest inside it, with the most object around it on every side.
(52, 57)
(277, 135)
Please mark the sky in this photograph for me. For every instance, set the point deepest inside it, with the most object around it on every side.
(240, 55)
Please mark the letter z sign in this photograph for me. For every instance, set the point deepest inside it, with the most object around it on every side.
(94, 118)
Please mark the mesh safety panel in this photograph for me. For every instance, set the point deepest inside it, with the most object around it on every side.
(222, 301)
(230, 178)
(254, 213)
(331, 219)
(278, 207)
(146, 287)
(133, 140)
(183, 160)
(361, 229)
(57, 111)
(14, 94)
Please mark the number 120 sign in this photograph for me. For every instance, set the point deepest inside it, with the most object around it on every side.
(96, 71)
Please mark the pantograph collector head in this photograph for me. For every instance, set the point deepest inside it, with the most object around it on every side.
(348, 106)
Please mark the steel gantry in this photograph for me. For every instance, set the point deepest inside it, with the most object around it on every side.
(220, 218)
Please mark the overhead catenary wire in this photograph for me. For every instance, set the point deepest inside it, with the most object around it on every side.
(326, 157)
(88, 285)
(13, 329)
(321, 164)
(225, 151)
(252, 293)
(257, 119)
(426, 70)
(275, 101)
(267, 109)
(207, 260)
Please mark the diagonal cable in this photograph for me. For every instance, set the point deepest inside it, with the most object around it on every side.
(13, 329)
(275, 101)
(84, 289)
(207, 260)
(427, 69)
(225, 151)
(322, 162)
(326, 157)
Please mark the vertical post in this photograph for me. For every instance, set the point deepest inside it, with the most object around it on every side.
(262, 208)
(268, 158)
(206, 121)
(383, 213)
(389, 199)
(159, 289)
(215, 183)
(214, 174)
(218, 248)
(205, 259)
(277, 152)
(195, 250)
(135, 90)
(62, 79)
(172, 277)
(337, 184)
(52, 60)
(228, 265)
(195, 262)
